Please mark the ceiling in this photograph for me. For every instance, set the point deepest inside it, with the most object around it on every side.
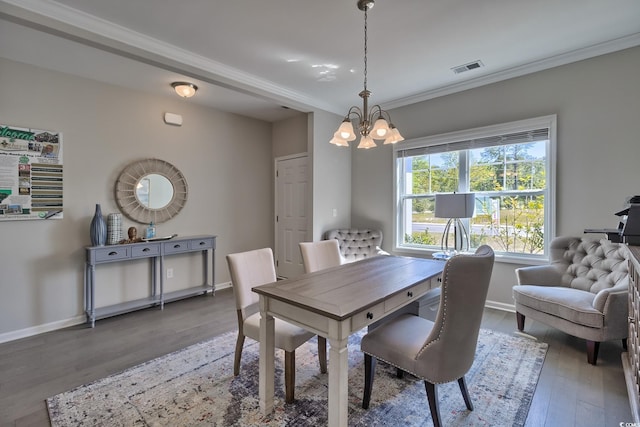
(254, 57)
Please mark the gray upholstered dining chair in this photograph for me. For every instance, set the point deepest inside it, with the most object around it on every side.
(320, 255)
(254, 268)
(441, 351)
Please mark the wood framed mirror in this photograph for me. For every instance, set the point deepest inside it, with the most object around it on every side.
(151, 190)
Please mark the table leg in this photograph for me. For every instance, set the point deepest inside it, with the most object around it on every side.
(267, 358)
(92, 287)
(338, 383)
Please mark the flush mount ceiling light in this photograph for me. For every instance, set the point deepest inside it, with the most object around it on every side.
(374, 124)
(184, 89)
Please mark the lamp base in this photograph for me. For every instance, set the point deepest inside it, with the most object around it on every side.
(460, 237)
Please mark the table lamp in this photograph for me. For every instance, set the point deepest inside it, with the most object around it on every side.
(455, 206)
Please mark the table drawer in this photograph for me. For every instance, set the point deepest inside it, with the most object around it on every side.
(175, 247)
(407, 295)
(204, 243)
(111, 253)
(436, 282)
(145, 250)
(366, 317)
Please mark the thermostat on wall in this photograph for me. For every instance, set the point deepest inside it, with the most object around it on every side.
(173, 119)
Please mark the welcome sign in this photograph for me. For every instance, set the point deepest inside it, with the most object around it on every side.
(30, 173)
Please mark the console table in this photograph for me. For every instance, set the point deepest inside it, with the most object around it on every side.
(155, 251)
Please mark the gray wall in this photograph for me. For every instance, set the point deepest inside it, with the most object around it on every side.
(227, 161)
(331, 169)
(597, 102)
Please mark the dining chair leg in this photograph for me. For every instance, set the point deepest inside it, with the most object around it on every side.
(369, 372)
(465, 393)
(432, 397)
(289, 375)
(238, 356)
(322, 354)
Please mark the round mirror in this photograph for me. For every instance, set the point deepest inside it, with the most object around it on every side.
(154, 191)
(151, 190)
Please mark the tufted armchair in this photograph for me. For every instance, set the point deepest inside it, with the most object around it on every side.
(583, 291)
(357, 244)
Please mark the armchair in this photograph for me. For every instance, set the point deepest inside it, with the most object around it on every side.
(582, 292)
(356, 244)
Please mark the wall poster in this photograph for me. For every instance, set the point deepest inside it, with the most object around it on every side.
(30, 173)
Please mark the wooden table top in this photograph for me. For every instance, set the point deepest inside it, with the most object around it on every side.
(340, 292)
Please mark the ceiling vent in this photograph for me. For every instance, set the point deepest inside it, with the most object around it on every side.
(467, 67)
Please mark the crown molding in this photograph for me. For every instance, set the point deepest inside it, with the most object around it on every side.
(93, 31)
(84, 28)
(521, 70)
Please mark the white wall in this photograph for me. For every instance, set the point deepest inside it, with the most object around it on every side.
(597, 102)
(226, 159)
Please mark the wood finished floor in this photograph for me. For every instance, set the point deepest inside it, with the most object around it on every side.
(570, 392)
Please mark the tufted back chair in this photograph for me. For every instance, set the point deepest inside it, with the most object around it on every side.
(589, 265)
(356, 244)
(583, 291)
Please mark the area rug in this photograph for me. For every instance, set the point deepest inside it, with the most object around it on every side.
(196, 387)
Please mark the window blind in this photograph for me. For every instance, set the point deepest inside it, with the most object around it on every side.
(534, 135)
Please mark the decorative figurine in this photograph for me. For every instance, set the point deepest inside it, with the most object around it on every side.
(132, 232)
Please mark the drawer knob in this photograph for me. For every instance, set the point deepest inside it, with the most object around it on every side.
(176, 246)
(410, 294)
(113, 253)
(146, 250)
(440, 279)
(369, 315)
(203, 243)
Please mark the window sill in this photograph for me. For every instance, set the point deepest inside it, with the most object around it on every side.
(500, 257)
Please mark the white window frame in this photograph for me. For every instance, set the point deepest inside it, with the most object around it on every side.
(549, 122)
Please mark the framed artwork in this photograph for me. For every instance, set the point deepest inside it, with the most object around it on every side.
(30, 174)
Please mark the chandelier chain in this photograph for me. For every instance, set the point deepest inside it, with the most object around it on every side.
(365, 48)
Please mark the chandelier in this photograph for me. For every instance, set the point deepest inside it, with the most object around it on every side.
(374, 124)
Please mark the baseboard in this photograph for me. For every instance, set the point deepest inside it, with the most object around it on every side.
(225, 285)
(41, 329)
(61, 324)
(78, 320)
(500, 306)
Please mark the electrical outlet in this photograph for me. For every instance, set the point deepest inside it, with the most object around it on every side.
(169, 273)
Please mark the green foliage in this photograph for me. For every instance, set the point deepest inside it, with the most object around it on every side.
(418, 238)
(519, 222)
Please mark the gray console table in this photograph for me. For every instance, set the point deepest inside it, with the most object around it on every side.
(155, 251)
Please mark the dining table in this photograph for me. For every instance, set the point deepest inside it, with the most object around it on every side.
(335, 303)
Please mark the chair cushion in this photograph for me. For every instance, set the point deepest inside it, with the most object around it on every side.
(288, 336)
(398, 340)
(570, 304)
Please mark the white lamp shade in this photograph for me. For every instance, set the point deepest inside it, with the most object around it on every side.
(380, 129)
(336, 140)
(455, 205)
(366, 142)
(393, 136)
(345, 131)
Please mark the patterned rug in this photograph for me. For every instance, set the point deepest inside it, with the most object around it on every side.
(196, 387)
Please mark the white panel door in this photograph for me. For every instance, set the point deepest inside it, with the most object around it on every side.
(291, 214)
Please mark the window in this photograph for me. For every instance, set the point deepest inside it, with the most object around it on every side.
(510, 168)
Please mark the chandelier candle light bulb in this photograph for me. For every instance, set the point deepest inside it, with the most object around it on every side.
(374, 124)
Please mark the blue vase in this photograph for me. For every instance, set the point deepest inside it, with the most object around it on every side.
(98, 230)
